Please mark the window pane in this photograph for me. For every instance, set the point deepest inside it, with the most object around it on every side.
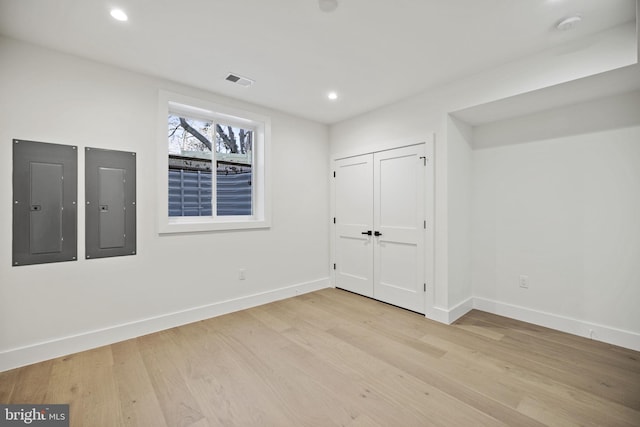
(189, 193)
(234, 167)
(190, 184)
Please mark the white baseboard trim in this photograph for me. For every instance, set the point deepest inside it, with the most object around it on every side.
(619, 337)
(438, 314)
(38, 352)
(460, 310)
(448, 316)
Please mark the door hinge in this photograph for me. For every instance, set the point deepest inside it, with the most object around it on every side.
(334, 174)
(425, 224)
(334, 219)
(425, 287)
(334, 266)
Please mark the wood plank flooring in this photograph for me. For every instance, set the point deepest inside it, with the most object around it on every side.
(332, 358)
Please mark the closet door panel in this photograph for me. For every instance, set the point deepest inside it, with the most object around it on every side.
(354, 216)
(399, 220)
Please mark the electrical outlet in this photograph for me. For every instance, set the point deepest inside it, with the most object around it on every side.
(241, 274)
(524, 281)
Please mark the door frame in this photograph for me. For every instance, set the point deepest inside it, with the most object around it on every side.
(429, 200)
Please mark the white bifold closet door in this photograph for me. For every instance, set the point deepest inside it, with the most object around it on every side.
(379, 207)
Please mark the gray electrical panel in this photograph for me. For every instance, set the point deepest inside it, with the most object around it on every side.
(110, 197)
(45, 186)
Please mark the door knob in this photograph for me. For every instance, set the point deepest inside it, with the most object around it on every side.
(377, 233)
(368, 232)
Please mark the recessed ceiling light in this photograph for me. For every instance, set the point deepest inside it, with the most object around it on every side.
(332, 96)
(119, 15)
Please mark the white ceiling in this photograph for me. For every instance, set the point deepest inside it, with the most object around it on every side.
(372, 52)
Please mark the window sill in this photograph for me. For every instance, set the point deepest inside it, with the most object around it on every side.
(201, 224)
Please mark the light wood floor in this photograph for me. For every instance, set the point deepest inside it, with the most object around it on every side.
(332, 358)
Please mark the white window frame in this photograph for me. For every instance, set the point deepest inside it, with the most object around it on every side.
(261, 191)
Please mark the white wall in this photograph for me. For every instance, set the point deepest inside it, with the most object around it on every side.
(52, 309)
(427, 113)
(459, 183)
(561, 205)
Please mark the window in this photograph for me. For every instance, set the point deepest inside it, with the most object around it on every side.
(213, 160)
(203, 155)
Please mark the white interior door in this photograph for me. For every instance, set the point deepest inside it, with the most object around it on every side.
(354, 216)
(380, 219)
(399, 221)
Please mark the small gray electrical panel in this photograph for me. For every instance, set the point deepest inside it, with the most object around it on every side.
(45, 187)
(110, 197)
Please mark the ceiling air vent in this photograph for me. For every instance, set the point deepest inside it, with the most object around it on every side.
(242, 81)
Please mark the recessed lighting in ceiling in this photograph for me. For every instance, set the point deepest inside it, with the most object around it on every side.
(119, 15)
(328, 5)
(332, 96)
(569, 23)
